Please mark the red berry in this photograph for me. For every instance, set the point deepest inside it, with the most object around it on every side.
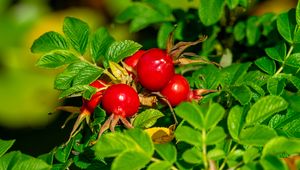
(93, 102)
(120, 99)
(177, 90)
(154, 69)
(133, 60)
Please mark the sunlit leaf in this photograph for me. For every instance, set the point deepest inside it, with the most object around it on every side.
(56, 59)
(77, 32)
(257, 135)
(167, 151)
(147, 118)
(49, 41)
(264, 108)
(188, 135)
(235, 121)
(5, 145)
(130, 160)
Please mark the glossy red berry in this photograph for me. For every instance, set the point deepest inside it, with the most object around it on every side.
(120, 99)
(177, 90)
(90, 105)
(133, 60)
(154, 69)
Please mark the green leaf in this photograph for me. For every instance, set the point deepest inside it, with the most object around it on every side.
(234, 73)
(235, 121)
(119, 50)
(5, 145)
(142, 15)
(214, 115)
(293, 60)
(252, 30)
(10, 159)
(193, 155)
(257, 91)
(31, 163)
(298, 14)
(147, 118)
(163, 34)
(266, 64)
(188, 135)
(100, 42)
(286, 24)
(215, 135)
(232, 3)
(210, 11)
(87, 75)
(288, 123)
(47, 157)
(255, 77)
(265, 108)
(278, 52)
(241, 93)
(294, 101)
(239, 31)
(99, 116)
(160, 6)
(160, 165)
(207, 78)
(48, 42)
(88, 93)
(56, 59)
(295, 81)
(257, 135)
(281, 145)
(17, 161)
(269, 162)
(75, 90)
(244, 3)
(113, 144)
(64, 80)
(234, 157)
(267, 22)
(250, 154)
(210, 43)
(191, 113)
(142, 139)
(167, 151)
(63, 152)
(83, 161)
(77, 33)
(276, 85)
(130, 160)
(216, 154)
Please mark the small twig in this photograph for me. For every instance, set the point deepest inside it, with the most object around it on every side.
(169, 105)
(286, 57)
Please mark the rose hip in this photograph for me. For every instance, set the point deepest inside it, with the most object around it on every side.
(154, 69)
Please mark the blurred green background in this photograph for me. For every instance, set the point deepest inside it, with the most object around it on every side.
(26, 92)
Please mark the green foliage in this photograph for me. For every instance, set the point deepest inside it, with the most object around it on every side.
(211, 12)
(247, 115)
(147, 118)
(119, 50)
(17, 161)
(77, 33)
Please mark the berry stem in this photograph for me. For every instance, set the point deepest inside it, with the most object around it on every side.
(127, 124)
(114, 122)
(105, 126)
